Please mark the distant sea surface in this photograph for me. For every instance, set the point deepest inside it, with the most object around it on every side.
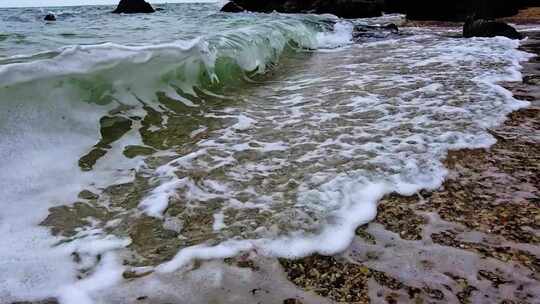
(136, 144)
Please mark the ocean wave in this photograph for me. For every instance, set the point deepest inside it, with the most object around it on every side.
(182, 64)
(52, 106)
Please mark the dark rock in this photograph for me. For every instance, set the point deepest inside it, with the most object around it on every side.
(349, 8)
(485, 28)
(454, 10)
(449, 10)
(291, 301)
(363, 33)
(528, 3)
(392, 27)
(395, 6)
(254, 6)
(50, 17)
(134, 151)
(232, 7)
(88, 195)
(340, 8)
(112, 129)
(133, 7)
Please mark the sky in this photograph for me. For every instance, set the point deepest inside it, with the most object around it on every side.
(45, 3)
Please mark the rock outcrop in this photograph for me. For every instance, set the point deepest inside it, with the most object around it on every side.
(133, 7)
(456, 10)
(366, 33)
(340, 8)
(232, 7)
(443, 10)
(487, 28)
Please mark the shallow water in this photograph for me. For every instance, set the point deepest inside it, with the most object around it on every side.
(143, 143)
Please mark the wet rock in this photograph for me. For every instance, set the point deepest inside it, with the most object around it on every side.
(392, 27)
(88, 195)
(133, 7)
(365, 32)
(485, 28)
(152, 241)
(112, 129)
(349, 9)
(50, 17)
(66, 220)
(232, 7)
(292, 301)
(456, 10)
(87, 162)
(532, 80)
(343, 8)
(134, 151)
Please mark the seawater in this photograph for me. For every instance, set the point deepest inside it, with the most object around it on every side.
(141, 143)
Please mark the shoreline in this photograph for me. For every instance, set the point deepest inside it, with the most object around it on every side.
(486, 217)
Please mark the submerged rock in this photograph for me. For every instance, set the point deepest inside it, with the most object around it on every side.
(486, 28)
(366, 33)
(133, 7)
(50, 17)
(112, 129)
(342, 8)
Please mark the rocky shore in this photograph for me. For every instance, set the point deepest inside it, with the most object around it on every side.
(475, 240)
(457, 10)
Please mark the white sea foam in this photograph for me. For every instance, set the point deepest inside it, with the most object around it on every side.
(107, 274)
(349, 199)
(33, 267)
(342, 35)
(243, 123)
